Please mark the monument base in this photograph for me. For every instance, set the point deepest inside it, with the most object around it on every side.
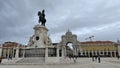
(52, 60)
(48, 54)
(40, 46)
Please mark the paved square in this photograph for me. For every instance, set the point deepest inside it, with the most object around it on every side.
(81, 63)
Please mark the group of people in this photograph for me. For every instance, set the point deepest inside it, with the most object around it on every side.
(95, 58)
(74, 57)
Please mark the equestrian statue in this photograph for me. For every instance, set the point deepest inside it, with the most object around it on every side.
(42, 17)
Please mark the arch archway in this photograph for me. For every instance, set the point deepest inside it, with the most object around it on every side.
(69, 49)
(69, 38)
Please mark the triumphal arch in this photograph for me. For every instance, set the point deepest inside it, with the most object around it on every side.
(69, 50)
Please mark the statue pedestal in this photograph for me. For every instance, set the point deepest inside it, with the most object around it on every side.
(40, 36)
(41, 46)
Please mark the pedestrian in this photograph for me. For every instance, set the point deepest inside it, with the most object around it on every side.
(70, 57)
(93, 58)
(76, 56)
(0, 60)
(98, 59)
(74, 60)
(10, 57)
(118, 57)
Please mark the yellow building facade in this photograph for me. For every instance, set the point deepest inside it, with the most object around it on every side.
(95, 48)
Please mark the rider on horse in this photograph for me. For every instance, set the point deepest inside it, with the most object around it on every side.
(42, 17)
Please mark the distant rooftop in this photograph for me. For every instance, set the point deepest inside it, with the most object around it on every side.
(96, 42)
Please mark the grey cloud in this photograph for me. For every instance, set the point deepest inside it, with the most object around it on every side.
(18, 17)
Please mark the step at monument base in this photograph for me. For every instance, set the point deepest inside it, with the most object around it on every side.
(32, 60)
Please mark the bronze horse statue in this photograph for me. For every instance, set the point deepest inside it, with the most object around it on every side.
(42, 17)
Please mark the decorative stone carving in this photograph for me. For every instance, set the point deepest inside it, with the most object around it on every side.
(40, 37)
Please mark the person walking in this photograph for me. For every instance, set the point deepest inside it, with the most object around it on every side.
(93, 58)
(0, 60)
(99, 59)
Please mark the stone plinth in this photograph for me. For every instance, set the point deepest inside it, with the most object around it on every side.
(40, 36)
(40, 46)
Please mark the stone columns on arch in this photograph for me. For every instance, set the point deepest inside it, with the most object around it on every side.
(63, 51)
(57, 51)
(17, 52)
(24, 49)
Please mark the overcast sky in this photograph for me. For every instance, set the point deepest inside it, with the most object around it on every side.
(84, 18)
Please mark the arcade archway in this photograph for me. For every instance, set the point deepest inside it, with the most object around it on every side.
(69, 49)
(69, 44)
